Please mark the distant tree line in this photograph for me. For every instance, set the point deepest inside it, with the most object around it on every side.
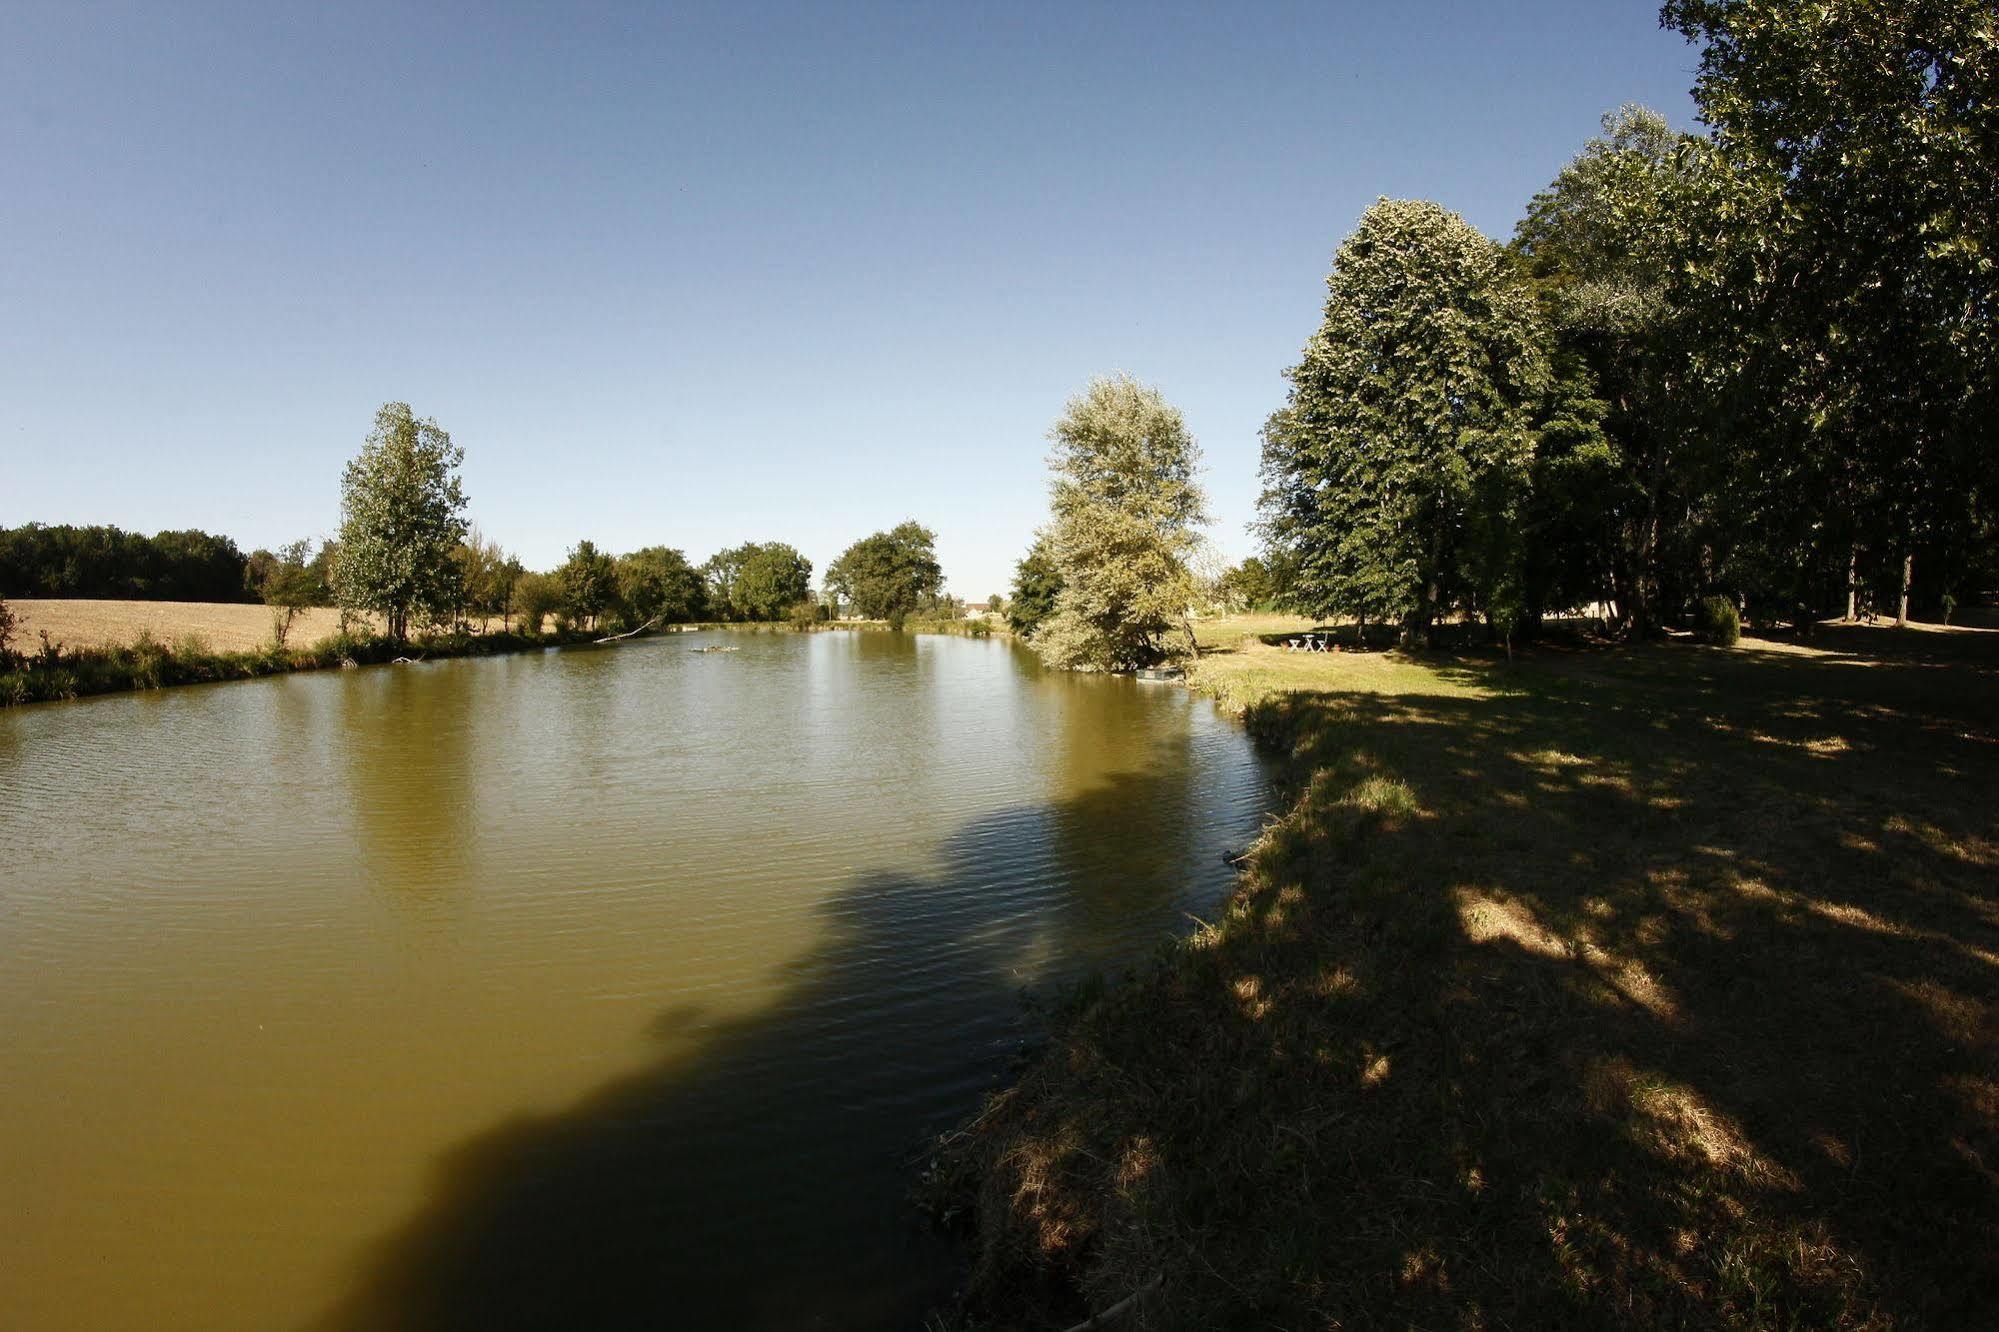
(107, 563)
(406, 553)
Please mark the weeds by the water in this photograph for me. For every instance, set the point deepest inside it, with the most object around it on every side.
(53, 672)
(1648, 987)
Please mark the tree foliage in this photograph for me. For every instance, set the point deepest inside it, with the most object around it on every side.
(1396, 474)
(1769, 369)
(658, 584)
(589, 583)
(402, 518)
(293, 584)
(757, 581)
(536, 597)
(484, 575)
(38, 560)
(1853, 314)
(1036, 583)
(1624, 457)
(888, 575)
(1125, 515)
(1250, 585)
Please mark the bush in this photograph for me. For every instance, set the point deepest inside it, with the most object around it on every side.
(150, 660)
(1716, 622)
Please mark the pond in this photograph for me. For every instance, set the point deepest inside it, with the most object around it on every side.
(595, 988)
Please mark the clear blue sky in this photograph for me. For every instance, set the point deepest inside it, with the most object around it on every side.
(703, 274)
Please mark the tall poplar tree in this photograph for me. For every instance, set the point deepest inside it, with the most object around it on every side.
(1394, 475)
(1125, 517)
(402, 517)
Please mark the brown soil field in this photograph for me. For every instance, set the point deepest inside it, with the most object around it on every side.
(224, 626)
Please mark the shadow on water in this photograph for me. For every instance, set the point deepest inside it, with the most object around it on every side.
(757, 1175)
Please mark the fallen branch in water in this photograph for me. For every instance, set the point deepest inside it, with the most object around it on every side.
(612, 638)
(406, 661)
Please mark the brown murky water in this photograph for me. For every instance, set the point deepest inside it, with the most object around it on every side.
(607, 988)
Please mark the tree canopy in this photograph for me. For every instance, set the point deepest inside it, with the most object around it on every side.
(657, 583)
(1395, 475)
(1854, 334)
(1125, 518)
(402, 518)
(1036, 581)
(757, 581)
(888, 575)
(38, 560)
(292, 584)
(588, 579)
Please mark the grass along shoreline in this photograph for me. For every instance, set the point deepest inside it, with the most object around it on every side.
(1618, 987)
(61, 674)
(121, 653)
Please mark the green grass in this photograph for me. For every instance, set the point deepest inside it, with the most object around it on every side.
(1612, 988)
(52, 673)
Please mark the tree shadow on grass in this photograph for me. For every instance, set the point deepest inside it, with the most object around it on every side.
(1658, 992)
(762, 1178)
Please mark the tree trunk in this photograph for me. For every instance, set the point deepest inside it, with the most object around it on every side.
(1852, 582)
(1902, 605)
(1644, 582)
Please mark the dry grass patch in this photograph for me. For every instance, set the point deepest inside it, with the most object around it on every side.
(223, 626)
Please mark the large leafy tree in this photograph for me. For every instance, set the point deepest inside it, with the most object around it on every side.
(402, 517)
(1620, 469)
(588, 579)
(1872, 124)
(886, 576)
(719, 573)
(657, 583)
(1395, 474)
(1036, 583)
(765, 579)
(1126, 513)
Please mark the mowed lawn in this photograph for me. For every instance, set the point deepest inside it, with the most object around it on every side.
(222, 626)
(1644, 986)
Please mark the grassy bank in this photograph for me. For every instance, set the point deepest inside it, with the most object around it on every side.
(119, 649)
(49, 674)
(1615, 987)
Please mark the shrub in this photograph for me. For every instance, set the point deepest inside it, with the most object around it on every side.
(149, 661)
(1715, 621)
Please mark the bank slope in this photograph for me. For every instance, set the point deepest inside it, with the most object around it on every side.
(1608, 989)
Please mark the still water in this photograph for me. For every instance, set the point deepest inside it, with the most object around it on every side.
(598, 988)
